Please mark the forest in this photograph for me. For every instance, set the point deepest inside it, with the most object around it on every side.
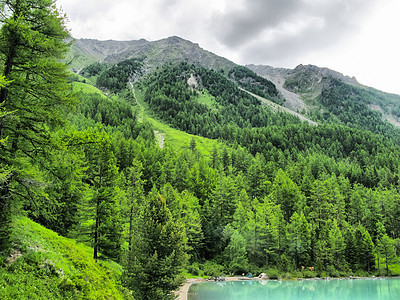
(276, 195)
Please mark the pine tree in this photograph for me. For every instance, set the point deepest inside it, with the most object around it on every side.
(299, 239)
(136, 195)
(190, 215)
(270, 236)
(287, 194)
(365, 249)
(337, 246)
(158, 254)
(102, 175)
(32, 43)
(235, 253)
(387, 250)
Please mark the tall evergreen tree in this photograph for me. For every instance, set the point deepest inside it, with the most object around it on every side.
(235, 253)
(136, 195)
(102, 175)
(299, 239)
(158, 254)
(365, 249)
(387, 250)
(32, 43)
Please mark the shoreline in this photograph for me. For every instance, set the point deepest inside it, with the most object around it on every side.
(182, 294)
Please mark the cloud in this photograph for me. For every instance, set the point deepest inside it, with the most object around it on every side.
(247, 31)
(274, 30)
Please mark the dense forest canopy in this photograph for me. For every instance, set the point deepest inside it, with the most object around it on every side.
(277, 196)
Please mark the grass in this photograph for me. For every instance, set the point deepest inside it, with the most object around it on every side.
(206, 98)
(87, 88)
(173, 137)
(180, 140)
(48, 266)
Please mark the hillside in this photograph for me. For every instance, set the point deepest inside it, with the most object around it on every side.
(305, 87)
(299, 90)
(44, 265)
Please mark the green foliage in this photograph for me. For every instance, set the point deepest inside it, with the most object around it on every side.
(258, 85)
(49, 266)
(273, 274)
(272, 194)
(213, 269)
(171, 98)
(235, 254)
(36, 95)
(386, 250)
(116, 77)
(158, 253)
(350, 105)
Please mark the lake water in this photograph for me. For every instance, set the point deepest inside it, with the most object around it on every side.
(346, 289)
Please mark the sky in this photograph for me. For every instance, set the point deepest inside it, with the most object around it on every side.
(355, 37)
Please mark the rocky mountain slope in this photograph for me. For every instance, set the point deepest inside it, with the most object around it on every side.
(172, 49)
(305, 90)
(303, 87)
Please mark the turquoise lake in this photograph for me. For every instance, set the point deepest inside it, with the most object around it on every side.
(346, 289)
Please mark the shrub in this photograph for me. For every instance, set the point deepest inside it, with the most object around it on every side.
(211, 268)
(195, 269)
(273, 274)
(332, 272)
(309, 274)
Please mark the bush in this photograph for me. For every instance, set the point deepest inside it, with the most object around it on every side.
(309, 274)
(288, 276)
(273, 274)
(332, 272)
(211, 268)
(194, 269)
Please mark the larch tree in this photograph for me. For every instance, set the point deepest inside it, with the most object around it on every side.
(387, 250)
(158, 255)
(32, 43)
(102, 175)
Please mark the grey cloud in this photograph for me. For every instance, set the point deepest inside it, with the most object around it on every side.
(241, 25)
(250, 29)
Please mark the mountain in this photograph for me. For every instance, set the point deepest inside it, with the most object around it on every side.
(306, 87)
(304, 80)
(172, 49)
(300, 91)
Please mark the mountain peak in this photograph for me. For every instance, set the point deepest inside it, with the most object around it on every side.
(171, 49)
(320, 72)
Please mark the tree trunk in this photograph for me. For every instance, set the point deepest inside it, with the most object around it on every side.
(130, 229)
(5, 217)
(96, 232)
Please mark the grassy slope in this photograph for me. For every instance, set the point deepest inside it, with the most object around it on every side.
(48, 266)
(175, 138)
(86, 88)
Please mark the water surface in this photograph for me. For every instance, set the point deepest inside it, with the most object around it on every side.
(346, 289)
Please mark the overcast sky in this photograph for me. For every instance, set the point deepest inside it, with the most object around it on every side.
(356, 37)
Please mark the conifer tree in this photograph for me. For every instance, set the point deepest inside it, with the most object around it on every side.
(365, 249)
(158, 254)
(102, 174)
(387, 250)
(299, 238)
(337, 246)
(32, 42)
(235, 253)
(136, 195)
